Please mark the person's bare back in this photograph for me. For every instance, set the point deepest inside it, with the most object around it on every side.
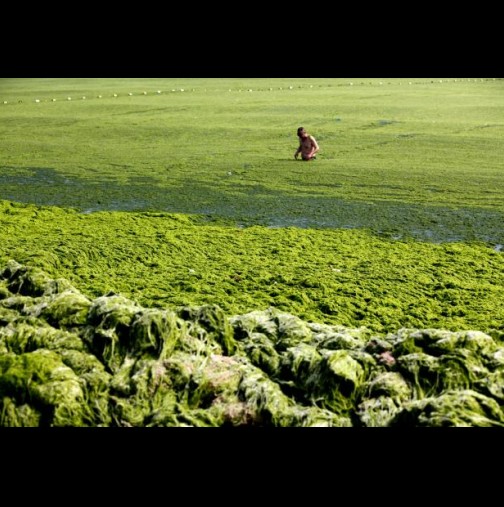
(307, 145)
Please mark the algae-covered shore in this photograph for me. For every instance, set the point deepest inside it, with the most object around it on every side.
(67, 360)
(334, 276)
(165, 262)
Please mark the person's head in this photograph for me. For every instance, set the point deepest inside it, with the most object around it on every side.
(301, 132)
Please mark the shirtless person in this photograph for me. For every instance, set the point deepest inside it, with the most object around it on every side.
(307, 145)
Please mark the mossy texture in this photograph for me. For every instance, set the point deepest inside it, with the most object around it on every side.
(66, 360)
(342, 277)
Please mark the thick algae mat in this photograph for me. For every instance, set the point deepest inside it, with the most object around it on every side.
(67, 360)
(346, 277)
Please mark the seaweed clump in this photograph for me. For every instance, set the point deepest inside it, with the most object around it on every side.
(67, 360)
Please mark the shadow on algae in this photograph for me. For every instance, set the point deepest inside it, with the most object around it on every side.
(254, 204)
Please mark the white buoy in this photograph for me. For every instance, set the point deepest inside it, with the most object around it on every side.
(37, 101)
(84, 98)
(145, 93)
(69, 98)
(5, 102)
(54, 100)
(130, 94)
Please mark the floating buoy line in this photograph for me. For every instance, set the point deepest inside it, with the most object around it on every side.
(70, 98)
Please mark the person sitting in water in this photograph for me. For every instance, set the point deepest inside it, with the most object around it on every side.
(307, 145)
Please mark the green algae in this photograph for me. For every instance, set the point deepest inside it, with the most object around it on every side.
(68, 309)
(264, 398)
(335, 381)
(4, 292)
(18, 416)
(121, 364)
(376, 412)
(214, 322)
(454, 408)
(154, 333)
(493, 385)
(423, 160)
(41, 379)
(107, 334)
(139, 392)
(245, 246)
(389, 384)
(299, 362)
(25, 337)
(261, 352)
(158, 259)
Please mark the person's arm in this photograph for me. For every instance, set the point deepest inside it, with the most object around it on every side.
(315, 146)
(298, 151)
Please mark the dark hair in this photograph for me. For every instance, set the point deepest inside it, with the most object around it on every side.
(300, 129)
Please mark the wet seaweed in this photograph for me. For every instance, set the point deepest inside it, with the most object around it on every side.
(67, 360)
